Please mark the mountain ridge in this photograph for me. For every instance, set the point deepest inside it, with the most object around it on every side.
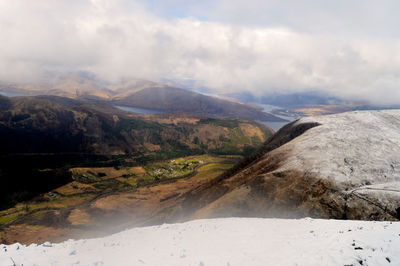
(143, 94)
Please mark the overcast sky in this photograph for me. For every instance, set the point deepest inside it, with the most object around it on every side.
(347, 48)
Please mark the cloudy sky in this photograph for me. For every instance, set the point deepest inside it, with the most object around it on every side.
(343, 48)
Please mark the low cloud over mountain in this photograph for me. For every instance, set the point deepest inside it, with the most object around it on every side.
(350, 58)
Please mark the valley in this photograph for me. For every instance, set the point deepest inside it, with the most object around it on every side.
(102, 200)
(287, 175)
(92, 170)
(232, 133)
(48, 135)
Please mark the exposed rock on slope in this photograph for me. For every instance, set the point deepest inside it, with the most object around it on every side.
(337, 166)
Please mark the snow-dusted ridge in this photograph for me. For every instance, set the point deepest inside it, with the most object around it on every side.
(354, 147)
(229, 241)
(343, 166)
(358, 151)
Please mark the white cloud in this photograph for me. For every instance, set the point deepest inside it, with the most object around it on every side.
(122, 39)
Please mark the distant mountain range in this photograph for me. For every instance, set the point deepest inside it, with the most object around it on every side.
(143, 94)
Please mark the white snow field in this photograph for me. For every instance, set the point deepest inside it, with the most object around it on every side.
(227, 241)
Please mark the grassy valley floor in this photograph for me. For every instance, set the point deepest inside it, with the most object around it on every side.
(104, 200)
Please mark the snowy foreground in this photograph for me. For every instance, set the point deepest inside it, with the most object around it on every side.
(230, 241)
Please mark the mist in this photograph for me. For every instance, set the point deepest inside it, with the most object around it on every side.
(276, 48)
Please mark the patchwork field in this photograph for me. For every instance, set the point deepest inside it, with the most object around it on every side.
(104, 196)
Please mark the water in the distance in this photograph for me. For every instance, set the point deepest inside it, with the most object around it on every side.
(267, 107)
(11, 94)
(137, 110)
(276, 125)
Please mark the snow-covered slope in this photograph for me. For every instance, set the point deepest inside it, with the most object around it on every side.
(343, 166)
(358, 151)
(230, 241)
